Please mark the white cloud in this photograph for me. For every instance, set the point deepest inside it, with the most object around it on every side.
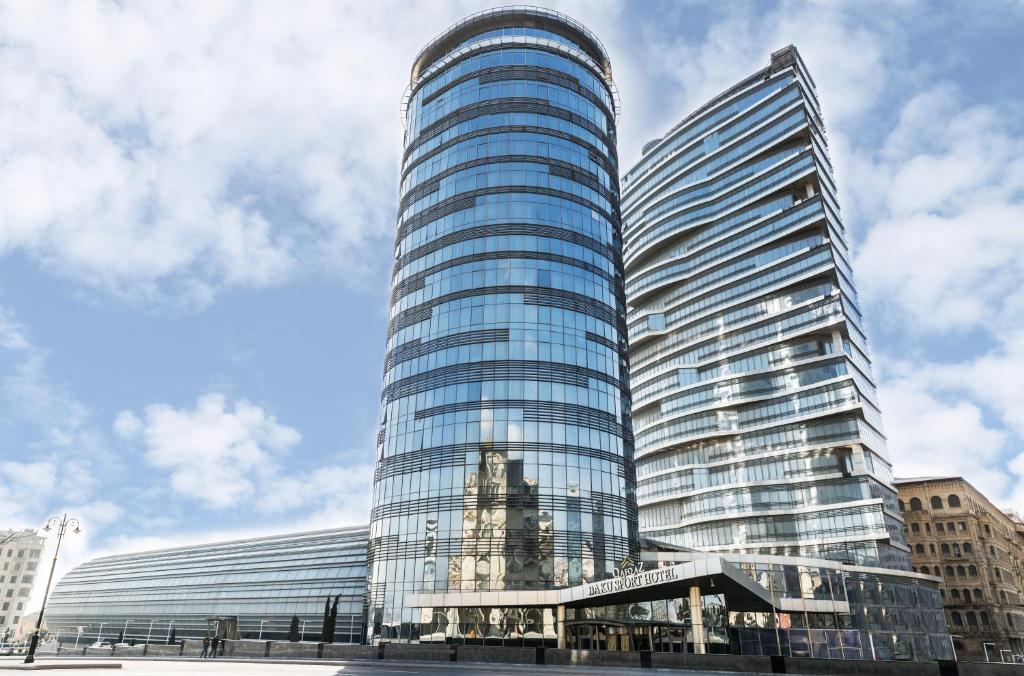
(127, 425)
(217, 453)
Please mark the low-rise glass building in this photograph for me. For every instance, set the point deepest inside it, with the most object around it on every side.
(241, 589)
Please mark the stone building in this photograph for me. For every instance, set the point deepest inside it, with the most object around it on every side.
(956, 533)
(20, 553)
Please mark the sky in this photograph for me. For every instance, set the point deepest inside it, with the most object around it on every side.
(197, 208)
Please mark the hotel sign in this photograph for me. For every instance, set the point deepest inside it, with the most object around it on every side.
(647, 578)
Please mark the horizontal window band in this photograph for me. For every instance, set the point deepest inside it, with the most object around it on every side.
(593, 152)
(597, 503)
(418, 281)
(455, 455)
(532, 295)
(467, 200)
(510, 104)
(543, 74)
(503, 230)
(542, 411)
(417, 348)
(556, 167)
(496, 370)
(532, 546)
(487, 48)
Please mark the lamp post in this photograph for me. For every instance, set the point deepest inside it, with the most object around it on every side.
(62, 524)
(260, 637)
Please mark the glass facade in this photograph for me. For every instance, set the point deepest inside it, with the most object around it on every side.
(256, 585)
(505, 457)
(754, 407)
(891, 617)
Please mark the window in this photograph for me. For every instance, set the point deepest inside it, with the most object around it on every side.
(927, 528)
(955, 594)
(984, 619)
(931, 548)
(972, 619)
(919, 549)
(936, 502)
(915, 528)
(974, 570)
(988, 531)
(949, 571)
(953, 501)
(940, 528)
(945, 549)
(960, 571)
(915, 505)
(903, 507)
(978, 596)
(963, 526)
(957, 620)
(956, 550)
(950, 526)
(999, 574)
(992, 551)
(926, 570)
(968, 549)
(1009, 619)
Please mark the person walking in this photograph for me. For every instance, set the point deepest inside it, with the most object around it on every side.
(215, 643)
(206, 646)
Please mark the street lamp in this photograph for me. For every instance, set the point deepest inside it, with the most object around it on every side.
(62, 526)
(260, 637)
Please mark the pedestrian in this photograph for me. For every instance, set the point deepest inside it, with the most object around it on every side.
(206, 646)
(216, 642)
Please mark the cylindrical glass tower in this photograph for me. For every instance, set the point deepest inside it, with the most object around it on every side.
(505, 457)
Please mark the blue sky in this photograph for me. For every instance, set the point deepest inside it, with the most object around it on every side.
(199, 201)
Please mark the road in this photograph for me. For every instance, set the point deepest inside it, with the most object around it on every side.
(142, 667)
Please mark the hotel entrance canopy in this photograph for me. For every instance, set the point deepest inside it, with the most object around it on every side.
(712, 575)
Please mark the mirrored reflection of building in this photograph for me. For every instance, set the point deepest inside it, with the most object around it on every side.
(240, 589)
(505, 451)
(20, 556)
(754, 408)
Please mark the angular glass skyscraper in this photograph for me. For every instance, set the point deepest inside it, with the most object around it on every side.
(505, 458)
(756, 420)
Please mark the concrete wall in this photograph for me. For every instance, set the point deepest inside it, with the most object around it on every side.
(130, 651)
(591, 658)
(287, 649)
(990, 669)
(423, 652)
(748, 663)
(495, 655)
(343, 651)
(103, 652)
(245, 648)
(191, 647)
(157, 650)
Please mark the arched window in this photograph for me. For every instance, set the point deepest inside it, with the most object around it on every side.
(984, 619)
(974, 570)
(926, 570)
(956, 550)
(919, 549)
(978, 596)
(931, 548)
(972, 619)
(949, 571)
(945, 549)
(915, 528)
(999, 574)
(1009, 619)
(915, 505)
(960, 571)
(936, 502)
(903, 507)
(968, 549)
(954, 501)
(957, 620)
(955, 593)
